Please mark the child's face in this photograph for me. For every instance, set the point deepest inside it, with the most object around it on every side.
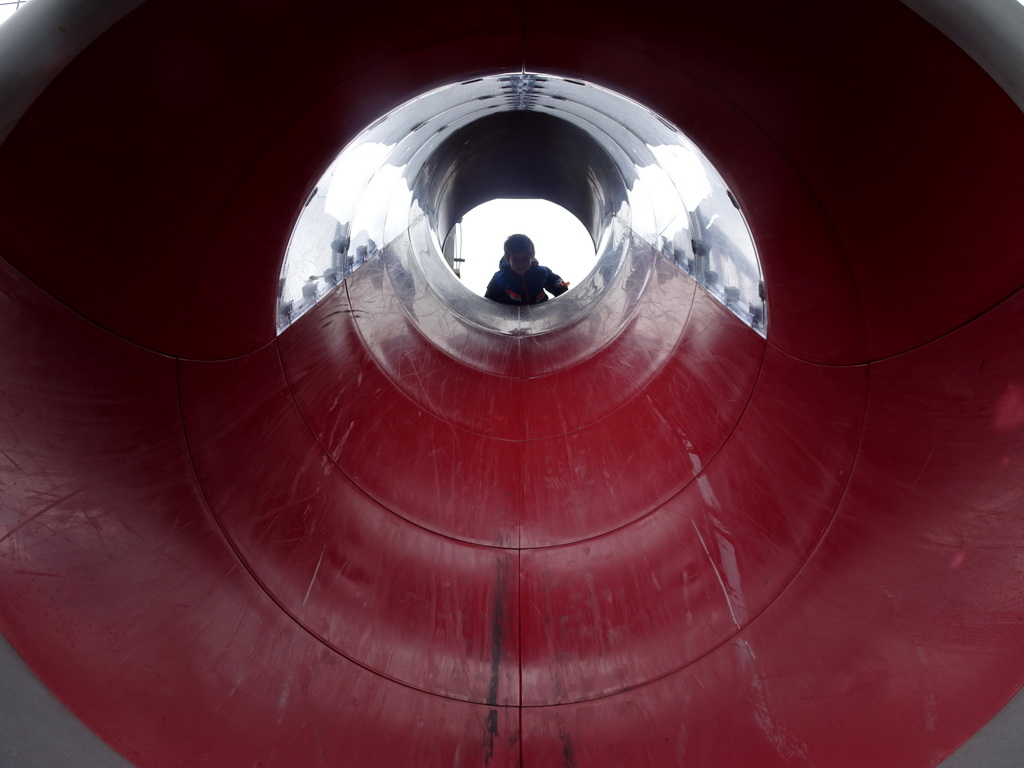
(520, 261)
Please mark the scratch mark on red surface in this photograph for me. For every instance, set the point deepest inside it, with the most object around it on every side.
(315, 572)
(7, 456)
(37, 515)
(725, 590)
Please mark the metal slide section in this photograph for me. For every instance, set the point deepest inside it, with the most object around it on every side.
(388, 536)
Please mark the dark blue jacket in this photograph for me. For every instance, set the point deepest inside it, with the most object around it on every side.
(508, 287)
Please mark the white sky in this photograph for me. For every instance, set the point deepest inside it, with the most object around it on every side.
(560, 238)
(7, 9)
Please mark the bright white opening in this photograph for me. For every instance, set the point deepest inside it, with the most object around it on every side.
(8, 7)
(561, 240)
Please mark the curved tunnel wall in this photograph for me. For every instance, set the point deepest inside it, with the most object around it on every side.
(522, 154)
(222, 546)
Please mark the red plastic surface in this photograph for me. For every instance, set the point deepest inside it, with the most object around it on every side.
(333, 548)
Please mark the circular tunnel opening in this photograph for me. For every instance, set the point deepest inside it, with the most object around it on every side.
(474, 246)
(609, 162)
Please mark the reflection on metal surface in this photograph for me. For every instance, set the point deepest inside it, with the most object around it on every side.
(603, 157)
(617, 279)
